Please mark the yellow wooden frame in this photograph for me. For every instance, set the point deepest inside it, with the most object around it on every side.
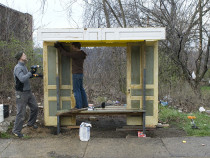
(150, 120)
(52, 120)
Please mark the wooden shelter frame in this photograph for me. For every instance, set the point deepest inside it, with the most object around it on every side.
(142, 45)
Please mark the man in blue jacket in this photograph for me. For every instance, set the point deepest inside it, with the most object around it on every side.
(24, 95)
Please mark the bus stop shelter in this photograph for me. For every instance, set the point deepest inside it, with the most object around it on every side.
(142, 71)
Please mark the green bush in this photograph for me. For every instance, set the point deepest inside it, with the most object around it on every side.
(8, 49)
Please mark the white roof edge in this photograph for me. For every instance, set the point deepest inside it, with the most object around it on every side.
(99, 34)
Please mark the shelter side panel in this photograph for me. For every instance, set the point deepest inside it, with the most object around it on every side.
(138, 56)
(50, 97)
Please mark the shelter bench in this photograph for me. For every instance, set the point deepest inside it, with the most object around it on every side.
(106, 111)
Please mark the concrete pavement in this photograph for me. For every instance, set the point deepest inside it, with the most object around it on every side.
(66, 147)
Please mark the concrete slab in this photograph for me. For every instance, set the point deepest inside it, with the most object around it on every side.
(194, 146)
(66, 147)
(124, 148)
(4, 143)
(48, 147)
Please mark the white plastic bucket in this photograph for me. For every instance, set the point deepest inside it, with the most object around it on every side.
(84, 131)
(1, 112)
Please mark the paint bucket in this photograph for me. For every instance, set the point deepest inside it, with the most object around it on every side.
(1, 112)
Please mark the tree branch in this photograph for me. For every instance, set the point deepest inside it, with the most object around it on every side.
(106, 14)
(122, 11)
(114, 13)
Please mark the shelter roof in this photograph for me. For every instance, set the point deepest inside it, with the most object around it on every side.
(101, 36)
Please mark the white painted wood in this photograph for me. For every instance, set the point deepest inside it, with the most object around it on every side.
(98, 34)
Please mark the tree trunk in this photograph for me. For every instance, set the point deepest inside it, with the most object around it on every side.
(200, 50)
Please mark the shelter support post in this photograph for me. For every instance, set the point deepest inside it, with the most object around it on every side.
(144, 87)
(58, 91)
(144, 100)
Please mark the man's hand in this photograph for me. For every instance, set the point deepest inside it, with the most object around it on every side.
(37, 75)
(33, 70)
(57, 45)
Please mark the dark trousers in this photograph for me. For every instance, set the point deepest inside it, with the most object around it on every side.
(79, 91)
(22, 100)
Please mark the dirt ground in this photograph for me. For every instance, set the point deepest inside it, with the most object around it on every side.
(102, 127)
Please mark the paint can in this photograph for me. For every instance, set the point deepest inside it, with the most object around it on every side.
(1, 112)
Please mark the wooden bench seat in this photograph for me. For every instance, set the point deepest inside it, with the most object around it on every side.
(106, 111)
(100, 111)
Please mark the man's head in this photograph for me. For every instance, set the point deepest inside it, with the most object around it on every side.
(20, 56)
(76, 45)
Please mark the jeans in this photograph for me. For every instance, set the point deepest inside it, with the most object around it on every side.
(79, 91)
(22, 100)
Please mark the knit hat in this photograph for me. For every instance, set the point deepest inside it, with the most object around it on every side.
(18, 55)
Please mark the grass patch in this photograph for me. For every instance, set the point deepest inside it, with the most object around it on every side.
(205, 88)
(5, 135)
(179, 119)
(8, 133)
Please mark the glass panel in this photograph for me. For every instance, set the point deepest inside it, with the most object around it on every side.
(51, 55)
(135, 104)
(66, 105)
(135, 65)
(149, 107)
(65, 92)
(150, 65)
(52, 93)
(138, 92)
(65, 72)
(52, 108)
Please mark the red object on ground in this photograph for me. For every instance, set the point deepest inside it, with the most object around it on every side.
(141, 134)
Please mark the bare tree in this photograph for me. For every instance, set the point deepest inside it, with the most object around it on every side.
(183, 22)
(187, 33)
(186, 24)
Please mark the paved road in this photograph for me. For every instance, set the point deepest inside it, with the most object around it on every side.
(65, 147)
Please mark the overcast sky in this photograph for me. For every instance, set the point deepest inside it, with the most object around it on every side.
(54, 16)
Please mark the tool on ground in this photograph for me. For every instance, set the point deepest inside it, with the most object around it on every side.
(192, 121)
(100, 106)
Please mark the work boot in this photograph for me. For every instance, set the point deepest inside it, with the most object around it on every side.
(34, 126)
(20, 135)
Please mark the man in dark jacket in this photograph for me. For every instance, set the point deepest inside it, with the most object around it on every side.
(24, 95)
(78, 56)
